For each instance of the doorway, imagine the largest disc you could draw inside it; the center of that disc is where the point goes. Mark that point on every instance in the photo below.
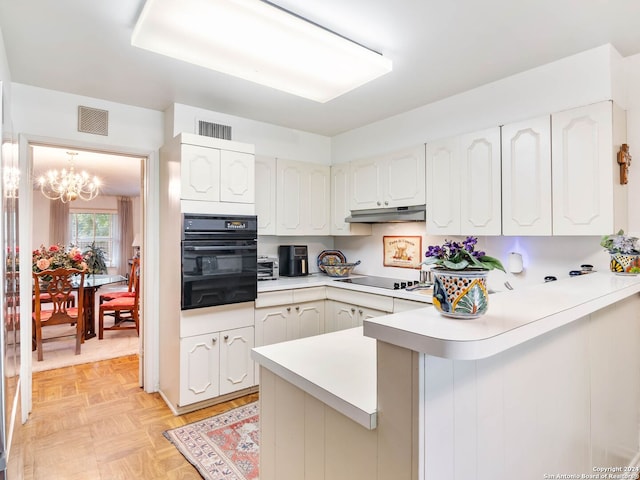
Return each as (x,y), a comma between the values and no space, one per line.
(30,148)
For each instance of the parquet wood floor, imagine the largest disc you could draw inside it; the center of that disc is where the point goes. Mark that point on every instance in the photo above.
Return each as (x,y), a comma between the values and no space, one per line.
(94,422)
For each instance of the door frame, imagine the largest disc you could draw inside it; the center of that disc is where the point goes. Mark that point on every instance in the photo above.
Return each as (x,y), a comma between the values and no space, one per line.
(149,201)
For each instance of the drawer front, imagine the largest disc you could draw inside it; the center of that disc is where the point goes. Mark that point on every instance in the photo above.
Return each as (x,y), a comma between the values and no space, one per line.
(309,294)
(368,300)
(271,299)
(201,321)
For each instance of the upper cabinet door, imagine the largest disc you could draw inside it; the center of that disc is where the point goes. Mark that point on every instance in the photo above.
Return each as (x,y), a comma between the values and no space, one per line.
(480,194)
(237,177)
(403,178)
(582,170)
(443,187)
(365,184)
(292,197)
(526,177)
(265,174)
(200,173)
(318,215)
(340,203)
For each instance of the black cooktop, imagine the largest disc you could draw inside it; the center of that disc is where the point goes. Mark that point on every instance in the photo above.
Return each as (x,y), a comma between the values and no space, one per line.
(380,282)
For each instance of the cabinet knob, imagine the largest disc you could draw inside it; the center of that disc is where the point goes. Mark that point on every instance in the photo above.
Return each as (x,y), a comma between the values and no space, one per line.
(360,312)
(288,309)
(386,202)
(298,308)
(226,337)
(353,310)
(214,340)
(378,202)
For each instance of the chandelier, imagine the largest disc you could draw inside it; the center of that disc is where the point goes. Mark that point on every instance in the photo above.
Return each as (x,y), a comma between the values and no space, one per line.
(67,185)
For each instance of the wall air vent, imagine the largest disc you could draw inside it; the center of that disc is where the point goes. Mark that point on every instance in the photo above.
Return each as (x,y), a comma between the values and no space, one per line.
(93,120)
(215,130)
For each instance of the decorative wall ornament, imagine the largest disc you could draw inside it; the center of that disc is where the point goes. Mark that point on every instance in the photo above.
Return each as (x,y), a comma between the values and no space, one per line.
(624,160)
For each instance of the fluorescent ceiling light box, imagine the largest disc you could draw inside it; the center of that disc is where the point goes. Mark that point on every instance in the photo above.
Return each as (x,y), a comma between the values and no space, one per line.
(260,42)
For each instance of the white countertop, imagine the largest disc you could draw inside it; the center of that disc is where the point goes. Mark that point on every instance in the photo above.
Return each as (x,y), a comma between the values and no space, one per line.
(337,368)
(513,317)
(320,279)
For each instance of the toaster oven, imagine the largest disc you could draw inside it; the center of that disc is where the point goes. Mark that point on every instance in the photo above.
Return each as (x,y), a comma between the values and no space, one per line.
(268,267)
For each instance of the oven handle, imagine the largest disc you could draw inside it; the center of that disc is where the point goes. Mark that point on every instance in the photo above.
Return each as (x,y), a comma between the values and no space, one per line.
(228,247)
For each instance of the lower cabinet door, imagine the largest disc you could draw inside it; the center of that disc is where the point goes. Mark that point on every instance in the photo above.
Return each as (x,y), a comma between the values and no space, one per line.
(236,366)
(199,368)
(342,316)
(309,319)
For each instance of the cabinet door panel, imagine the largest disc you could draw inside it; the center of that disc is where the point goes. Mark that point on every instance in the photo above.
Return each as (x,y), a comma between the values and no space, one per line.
(265,174)
(199,368)
(310,319)
(582,170)
(200,173)
(480,212)
(236,366)
(237,177)
(292,197)
(404,177)
(365,184)
(271,325)
(443,187)
(526,177)
(319,189)
(343,316)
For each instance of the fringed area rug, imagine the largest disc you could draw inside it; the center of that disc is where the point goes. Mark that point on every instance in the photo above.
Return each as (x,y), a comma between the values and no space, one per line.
(223,447)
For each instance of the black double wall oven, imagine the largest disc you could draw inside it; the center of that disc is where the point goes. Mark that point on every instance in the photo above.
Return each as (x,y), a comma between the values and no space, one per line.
(219,260)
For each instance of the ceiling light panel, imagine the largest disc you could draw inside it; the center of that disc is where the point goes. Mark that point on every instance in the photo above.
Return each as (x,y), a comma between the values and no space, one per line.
(254,40)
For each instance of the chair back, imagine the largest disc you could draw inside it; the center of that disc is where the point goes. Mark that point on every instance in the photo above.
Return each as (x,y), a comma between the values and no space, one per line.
(59,284)
(135,268)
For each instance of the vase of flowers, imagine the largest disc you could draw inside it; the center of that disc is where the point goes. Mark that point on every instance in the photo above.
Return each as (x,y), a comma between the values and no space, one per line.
(624,252)
(460,278)
(55,256)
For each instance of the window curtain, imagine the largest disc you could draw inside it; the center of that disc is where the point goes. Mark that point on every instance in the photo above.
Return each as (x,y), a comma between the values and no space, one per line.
(125,228)
(59,222)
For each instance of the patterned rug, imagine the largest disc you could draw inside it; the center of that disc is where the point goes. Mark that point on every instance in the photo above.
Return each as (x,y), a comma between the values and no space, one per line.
(223,447)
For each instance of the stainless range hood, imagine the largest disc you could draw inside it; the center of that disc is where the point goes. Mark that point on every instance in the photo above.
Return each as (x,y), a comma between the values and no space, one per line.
(415,213)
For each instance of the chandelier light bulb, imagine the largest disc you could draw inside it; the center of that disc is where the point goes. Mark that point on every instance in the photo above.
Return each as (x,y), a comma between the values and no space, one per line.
(67,185)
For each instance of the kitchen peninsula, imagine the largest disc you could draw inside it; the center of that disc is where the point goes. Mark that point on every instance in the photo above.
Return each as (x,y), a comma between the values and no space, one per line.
(547,383)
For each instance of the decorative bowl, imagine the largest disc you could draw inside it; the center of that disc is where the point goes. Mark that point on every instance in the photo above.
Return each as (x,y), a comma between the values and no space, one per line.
(340,269)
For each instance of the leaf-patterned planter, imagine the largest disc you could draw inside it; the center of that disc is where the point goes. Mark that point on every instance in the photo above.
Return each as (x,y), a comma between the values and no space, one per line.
(460,294)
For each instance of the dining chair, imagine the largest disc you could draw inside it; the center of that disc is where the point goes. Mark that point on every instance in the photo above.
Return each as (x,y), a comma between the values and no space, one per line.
(59,284)
(135,267)
(124,309)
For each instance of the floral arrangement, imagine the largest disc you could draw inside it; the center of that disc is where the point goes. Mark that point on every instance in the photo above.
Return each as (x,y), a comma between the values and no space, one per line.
(621,243)
(460,256)
(56,257)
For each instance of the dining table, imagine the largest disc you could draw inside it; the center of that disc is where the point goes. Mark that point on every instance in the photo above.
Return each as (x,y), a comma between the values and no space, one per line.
(93,282)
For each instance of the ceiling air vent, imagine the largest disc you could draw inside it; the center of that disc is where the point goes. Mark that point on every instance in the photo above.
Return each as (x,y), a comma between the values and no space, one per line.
(215,130)
(93,120)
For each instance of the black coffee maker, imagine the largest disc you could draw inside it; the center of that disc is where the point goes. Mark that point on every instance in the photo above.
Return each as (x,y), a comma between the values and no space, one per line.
(293,260)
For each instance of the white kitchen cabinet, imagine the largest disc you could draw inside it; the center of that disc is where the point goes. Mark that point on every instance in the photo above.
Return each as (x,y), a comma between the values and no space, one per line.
(215,364)
(280,323)
(340,203)
(237,177)
(587,196)
(526,177)
(302,198)
(345,315)
(199,368)
(200,173)
(266,194)
(463,184)
(214,170)
(236,366)
(393,180)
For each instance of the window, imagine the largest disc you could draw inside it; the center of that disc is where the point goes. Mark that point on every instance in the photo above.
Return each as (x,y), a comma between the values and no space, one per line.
(88,227)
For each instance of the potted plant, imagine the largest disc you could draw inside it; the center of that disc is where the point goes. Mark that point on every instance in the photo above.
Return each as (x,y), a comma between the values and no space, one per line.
(624,251)
(460,278)
(95,257)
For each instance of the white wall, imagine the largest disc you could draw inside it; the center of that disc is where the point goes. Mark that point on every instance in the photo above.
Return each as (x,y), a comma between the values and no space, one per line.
(577,80)
(270,140)
(632,75)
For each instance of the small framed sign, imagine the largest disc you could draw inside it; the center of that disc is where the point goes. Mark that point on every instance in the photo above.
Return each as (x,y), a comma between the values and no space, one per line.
(403,252)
